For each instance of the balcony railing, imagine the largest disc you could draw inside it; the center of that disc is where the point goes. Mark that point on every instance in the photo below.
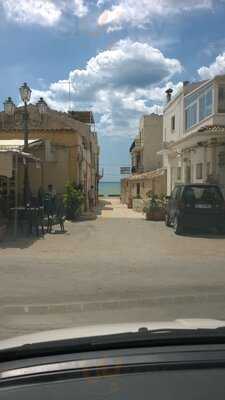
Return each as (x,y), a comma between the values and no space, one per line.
(137,170)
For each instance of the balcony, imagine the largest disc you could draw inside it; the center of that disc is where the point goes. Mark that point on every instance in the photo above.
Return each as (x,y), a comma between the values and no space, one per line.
(137,169)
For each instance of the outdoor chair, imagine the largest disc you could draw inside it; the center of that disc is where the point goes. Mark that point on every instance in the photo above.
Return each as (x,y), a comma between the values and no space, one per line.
(58,218)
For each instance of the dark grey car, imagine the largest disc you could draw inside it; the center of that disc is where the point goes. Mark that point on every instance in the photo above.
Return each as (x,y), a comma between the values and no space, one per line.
(195,206)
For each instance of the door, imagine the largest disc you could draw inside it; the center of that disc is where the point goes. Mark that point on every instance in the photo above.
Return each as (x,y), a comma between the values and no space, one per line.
(138,190)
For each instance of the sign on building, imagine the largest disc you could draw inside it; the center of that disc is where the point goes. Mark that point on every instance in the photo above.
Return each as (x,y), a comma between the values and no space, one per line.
(125,170)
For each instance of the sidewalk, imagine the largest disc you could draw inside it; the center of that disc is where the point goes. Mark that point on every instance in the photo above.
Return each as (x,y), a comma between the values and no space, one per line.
(112,208)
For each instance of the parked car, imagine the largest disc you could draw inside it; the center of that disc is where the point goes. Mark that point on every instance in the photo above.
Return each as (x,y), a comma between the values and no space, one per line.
(195,205)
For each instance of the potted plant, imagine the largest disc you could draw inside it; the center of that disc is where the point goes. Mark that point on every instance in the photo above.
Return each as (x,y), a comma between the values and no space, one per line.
(73,201)
(155,208)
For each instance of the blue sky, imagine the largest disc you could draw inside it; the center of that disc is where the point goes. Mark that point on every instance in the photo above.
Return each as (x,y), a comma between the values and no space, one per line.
(120,56)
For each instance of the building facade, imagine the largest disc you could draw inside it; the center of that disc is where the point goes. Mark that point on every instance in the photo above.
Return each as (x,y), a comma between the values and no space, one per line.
(194,134)
(147,143)
(67,147)
(146,164)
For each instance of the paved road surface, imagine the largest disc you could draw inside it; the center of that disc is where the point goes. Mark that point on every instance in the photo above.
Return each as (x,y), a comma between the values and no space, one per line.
(117,268)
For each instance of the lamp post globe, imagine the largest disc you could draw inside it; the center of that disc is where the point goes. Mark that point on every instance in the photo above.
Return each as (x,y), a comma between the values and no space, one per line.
(9,106)
(25,93)
(42,106)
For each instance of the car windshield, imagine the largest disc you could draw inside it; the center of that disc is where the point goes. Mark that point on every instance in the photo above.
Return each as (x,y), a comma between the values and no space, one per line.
(204,194)
(112,166)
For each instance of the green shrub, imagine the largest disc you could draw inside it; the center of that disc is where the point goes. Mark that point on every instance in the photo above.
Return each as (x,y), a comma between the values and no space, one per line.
(155,202)
(73,201)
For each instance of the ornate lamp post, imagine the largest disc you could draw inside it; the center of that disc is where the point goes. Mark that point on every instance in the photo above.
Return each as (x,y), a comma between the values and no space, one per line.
(9,108)
(25,94)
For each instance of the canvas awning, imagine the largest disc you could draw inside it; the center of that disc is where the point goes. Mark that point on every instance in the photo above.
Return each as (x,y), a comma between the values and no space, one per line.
(6,161)
(147,175)
(15,144)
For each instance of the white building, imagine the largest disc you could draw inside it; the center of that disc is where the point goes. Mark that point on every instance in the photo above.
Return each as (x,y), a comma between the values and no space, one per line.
(194,133)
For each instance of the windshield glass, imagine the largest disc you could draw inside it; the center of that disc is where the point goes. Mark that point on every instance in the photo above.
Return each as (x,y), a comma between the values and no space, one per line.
(112,165)
(210,194)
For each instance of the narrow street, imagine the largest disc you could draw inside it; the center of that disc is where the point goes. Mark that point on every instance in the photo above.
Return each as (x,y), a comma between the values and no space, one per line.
(116,268)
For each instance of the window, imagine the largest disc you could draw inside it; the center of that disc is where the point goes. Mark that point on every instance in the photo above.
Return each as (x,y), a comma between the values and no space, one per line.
(205,104)
(191,116)
(179,173)
(197,194)
(173,123)
(221,99)
(199,168)
(198,106)
(208,168)
(138,189)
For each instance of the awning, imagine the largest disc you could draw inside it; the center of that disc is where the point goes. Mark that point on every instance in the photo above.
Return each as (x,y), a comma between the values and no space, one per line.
(6,161)
(147,175)
(14,144)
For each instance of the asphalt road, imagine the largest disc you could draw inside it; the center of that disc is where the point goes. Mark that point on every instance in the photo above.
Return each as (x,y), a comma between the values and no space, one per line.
(117,268)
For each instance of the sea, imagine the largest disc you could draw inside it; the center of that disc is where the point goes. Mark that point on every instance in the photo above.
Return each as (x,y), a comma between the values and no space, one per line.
(107,188)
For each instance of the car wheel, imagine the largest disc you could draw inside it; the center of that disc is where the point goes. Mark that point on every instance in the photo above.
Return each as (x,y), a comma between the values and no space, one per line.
(178,226)
(167,220)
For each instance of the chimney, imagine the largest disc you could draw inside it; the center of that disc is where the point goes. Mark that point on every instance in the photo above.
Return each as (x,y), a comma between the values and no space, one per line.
(185,83)
(169,94)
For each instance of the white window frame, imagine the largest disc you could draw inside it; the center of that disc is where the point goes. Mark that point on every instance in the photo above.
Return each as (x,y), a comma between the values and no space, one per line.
(204,92)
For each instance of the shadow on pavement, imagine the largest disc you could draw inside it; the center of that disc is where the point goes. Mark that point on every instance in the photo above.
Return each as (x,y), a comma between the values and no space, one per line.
(20,242)
(204,234)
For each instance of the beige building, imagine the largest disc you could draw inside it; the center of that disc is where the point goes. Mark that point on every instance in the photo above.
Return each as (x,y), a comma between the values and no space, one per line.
(194,133)
(66,143)
(147,143)
(147,172)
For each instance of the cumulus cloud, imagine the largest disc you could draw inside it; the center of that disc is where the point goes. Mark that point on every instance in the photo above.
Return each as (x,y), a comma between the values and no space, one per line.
(80,8)
(42,12)
(120,84)
(216,68)
(45,12)
(140,12)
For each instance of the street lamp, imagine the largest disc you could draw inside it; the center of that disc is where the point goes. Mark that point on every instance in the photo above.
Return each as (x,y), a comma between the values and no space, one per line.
(25,94)
(9,106)
(42,106)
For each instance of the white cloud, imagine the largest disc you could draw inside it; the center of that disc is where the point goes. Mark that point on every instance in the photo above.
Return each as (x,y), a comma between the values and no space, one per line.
(120,84)
(140,12)
(43,12)
(216,68)
(80,8)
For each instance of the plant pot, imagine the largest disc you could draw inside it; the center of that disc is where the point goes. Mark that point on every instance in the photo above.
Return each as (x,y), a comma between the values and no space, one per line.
(155,215)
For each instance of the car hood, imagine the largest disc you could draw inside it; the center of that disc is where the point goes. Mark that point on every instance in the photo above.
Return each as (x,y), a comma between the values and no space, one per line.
(103,330)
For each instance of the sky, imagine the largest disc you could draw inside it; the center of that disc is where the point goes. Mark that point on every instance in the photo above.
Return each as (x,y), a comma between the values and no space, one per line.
(118,55)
